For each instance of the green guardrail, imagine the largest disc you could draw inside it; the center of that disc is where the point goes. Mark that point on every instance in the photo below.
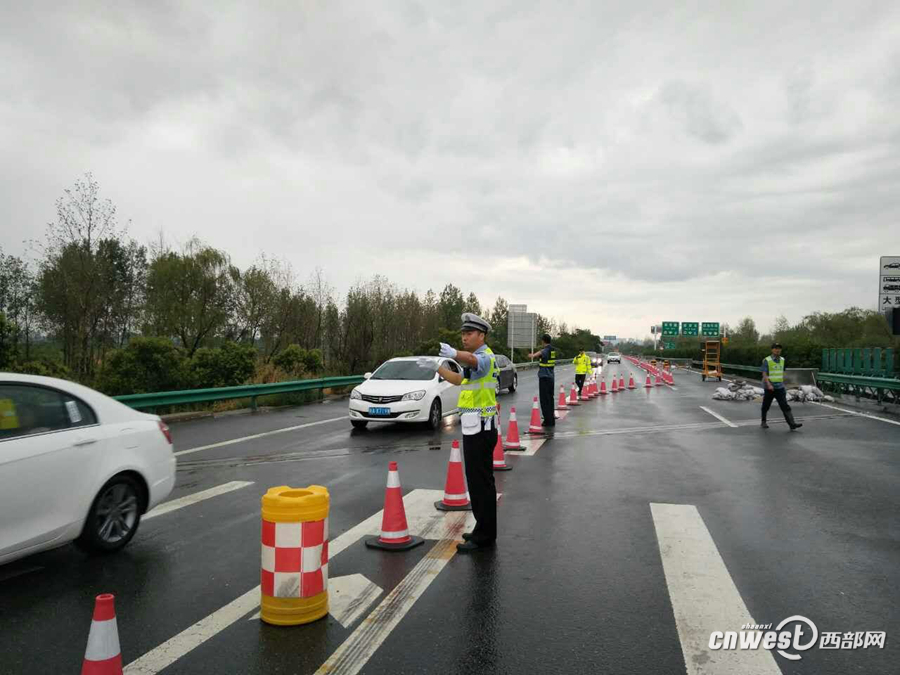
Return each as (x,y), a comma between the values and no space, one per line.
(251,391)
(866,362)
(731,366)
(880,388)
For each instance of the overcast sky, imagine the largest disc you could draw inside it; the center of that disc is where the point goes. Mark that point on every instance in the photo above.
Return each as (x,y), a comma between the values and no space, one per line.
(609,166)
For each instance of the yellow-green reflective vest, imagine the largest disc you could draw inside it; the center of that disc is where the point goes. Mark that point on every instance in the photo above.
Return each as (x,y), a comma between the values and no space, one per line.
(551,362)
(776,369)
(480,395)
(582,364)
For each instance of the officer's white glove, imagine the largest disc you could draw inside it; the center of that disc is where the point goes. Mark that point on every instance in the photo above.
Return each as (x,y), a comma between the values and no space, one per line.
(425,362)
(447,351)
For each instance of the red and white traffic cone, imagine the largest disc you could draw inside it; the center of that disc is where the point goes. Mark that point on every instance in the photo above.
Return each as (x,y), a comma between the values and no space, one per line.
(535,426)
(603,387)
(649,384)
(562,399)
(595,392)
(394,529)
(456,497)
(573,396)
(621,383)
(615,385)
(103,655)
(499,458)
(631,381)
(512,434)
(658,380)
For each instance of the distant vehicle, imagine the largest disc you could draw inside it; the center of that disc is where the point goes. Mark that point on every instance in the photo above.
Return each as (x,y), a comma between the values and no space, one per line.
(614,357)
(892,287)
(892,266)
(75,465)
(507,378)
(402,391)
(596,359)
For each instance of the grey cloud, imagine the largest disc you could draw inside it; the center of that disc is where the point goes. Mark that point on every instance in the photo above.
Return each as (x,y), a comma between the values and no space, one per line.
(694,108)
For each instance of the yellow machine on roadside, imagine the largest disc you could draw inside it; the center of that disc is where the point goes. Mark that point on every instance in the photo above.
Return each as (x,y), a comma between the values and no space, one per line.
(712,365)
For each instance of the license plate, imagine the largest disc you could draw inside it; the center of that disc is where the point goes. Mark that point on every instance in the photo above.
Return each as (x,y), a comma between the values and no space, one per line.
(379,412)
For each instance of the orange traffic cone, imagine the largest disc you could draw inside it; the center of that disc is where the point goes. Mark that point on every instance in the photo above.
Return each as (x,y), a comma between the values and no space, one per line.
(535,426)
(394,530)
(621,383)
(631,381)
(456,497)
(603,387)
(562,399)
(594,391)
(103,655)
(499,458)
(615,385)
(649,384)
(512,434)
(573,396)
(658,380)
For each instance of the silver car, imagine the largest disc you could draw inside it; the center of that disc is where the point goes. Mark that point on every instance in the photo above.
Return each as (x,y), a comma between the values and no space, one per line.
(507,377)
(614,357)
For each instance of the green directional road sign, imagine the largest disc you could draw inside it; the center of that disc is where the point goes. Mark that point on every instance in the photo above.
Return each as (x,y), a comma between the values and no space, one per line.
(690,328)
(668,345)
(710,329)
(670,328)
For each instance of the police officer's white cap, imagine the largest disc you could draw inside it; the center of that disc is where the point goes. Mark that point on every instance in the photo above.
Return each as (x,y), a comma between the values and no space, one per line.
(474,322)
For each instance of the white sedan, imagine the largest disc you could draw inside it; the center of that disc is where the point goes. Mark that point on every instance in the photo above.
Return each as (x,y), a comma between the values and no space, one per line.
(402,391)
(75,465)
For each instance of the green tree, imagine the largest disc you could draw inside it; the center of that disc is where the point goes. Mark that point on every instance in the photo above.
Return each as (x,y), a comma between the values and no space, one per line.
(230,365)
(147,364)
(451,306)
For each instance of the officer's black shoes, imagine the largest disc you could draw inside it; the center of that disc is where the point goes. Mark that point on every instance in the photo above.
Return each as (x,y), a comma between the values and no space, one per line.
(764,425)
(790,420)
(470,546)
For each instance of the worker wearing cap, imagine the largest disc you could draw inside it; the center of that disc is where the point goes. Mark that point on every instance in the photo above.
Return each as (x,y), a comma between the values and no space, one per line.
(582,368)
(773,379)
(478,411)
(546,380)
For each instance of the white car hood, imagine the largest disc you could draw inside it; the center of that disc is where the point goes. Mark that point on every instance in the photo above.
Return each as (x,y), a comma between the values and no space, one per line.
(394,387)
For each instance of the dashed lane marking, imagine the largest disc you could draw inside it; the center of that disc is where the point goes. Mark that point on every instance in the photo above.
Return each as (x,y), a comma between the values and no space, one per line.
(718,417)
(175,504)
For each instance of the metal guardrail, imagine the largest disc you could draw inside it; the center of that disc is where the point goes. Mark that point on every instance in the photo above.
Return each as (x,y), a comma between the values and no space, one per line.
(731,366)
(251,391)
(879,388)
(867,362)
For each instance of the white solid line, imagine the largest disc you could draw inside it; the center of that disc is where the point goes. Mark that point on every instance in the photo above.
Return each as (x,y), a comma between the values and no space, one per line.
(718,417)
(348,597)
(704,597)
(533,447)
(422,518)
(261,435)
(858,414)
(356,650)
(175,504)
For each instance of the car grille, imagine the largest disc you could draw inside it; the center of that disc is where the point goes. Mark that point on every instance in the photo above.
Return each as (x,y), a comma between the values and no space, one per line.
(381,399)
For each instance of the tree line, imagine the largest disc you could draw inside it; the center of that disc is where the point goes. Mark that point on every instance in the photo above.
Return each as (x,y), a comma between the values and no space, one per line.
(96,306)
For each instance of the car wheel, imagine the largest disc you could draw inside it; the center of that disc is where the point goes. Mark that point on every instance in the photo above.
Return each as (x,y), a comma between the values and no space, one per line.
(515,383)
(359,424)
(434,415)
(114,516)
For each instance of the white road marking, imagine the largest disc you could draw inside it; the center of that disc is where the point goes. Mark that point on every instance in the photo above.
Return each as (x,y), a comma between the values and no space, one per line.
(704,597)
(348,597)
(260,435)
(718,417)
(423,519)
(175,504)
(531,447)
(356,650)
(858,414)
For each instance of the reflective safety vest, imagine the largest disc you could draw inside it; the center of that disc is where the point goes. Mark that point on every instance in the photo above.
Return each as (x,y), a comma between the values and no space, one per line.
(776,369)
(551,362)
(480,395)
(8,418)
(582,364)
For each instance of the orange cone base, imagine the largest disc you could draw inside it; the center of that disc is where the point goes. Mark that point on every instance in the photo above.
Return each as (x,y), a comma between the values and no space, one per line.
(441,506)
(375,542)
(536,432)
(518,446)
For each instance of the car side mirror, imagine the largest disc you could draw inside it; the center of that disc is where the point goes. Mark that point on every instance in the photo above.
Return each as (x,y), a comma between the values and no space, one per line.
(367,376)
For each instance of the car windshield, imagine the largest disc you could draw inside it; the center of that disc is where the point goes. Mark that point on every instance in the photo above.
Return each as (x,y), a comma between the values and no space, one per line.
(404,370)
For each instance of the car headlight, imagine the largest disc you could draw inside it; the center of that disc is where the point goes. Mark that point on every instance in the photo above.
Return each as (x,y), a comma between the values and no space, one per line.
(414,396)
(355,395)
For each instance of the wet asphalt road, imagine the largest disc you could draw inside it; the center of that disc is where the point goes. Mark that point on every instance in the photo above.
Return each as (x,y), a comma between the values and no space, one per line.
(805,523)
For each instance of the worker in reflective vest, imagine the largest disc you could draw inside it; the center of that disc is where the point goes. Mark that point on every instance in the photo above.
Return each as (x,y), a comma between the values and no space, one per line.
(582,368)
(773,379)
(546,380)
(478,417)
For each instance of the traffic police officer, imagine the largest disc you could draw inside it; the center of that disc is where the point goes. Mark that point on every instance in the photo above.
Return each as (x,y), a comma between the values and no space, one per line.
(546,380)
(478,410)
(773,378)
(582,368)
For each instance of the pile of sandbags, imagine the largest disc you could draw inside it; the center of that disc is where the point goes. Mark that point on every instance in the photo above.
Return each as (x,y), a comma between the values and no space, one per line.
(807,392)
(738,391)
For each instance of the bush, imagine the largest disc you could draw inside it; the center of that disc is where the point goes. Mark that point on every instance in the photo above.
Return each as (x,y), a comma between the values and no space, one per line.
(230,365)
(290,359)
(145,365)
(42,367)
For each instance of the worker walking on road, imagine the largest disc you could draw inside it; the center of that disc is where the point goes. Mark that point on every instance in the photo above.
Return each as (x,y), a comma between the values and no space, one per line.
(773,379)
(546,380)
(478,410)
(582,368)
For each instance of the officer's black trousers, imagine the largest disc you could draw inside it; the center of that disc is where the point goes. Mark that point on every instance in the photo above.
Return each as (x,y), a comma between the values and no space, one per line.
(779,395)
(579,382)
(478,452)
(545,389)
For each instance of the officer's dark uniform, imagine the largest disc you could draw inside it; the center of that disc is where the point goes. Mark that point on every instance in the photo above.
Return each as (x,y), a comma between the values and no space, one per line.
(546,384)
